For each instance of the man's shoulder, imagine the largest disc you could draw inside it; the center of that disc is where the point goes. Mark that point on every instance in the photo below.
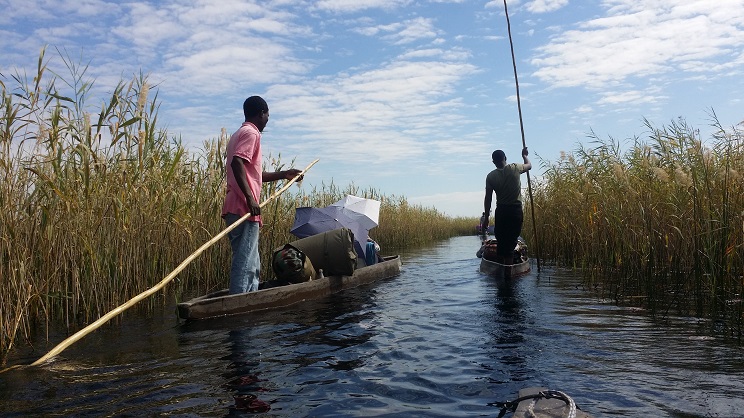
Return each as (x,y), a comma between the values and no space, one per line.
(246,133)
(516,167)
(247,127)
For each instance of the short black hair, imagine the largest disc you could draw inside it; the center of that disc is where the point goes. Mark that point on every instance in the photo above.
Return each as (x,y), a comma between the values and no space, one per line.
(253,106)
(498,155)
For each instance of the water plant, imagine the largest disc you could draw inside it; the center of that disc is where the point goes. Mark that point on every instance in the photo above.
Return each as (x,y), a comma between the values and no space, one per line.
(660,224)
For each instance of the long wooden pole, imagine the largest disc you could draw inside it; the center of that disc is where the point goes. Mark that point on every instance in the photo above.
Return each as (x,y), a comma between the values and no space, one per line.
(85,331)
(524,143)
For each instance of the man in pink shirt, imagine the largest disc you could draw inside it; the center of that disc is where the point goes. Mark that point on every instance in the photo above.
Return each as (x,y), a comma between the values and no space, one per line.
(244,178)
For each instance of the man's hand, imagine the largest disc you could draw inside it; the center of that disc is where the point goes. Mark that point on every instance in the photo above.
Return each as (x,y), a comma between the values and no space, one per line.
(254,207)
(527,163)
(292,173)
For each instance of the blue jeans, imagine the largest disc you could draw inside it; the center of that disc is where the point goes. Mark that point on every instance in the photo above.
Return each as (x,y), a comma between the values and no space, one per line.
(245,270)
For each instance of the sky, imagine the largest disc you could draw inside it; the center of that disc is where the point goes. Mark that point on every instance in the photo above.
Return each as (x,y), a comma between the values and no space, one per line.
(406,97)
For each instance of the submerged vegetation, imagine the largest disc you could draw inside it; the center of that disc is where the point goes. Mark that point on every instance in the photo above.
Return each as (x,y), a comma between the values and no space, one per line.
(97,207)
(661,225)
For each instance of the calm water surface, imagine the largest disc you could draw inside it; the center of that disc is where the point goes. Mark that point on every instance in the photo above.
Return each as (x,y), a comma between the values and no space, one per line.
(439,340)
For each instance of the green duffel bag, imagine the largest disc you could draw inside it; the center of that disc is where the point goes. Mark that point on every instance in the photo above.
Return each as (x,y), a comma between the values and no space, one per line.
(332,251)
(291,265)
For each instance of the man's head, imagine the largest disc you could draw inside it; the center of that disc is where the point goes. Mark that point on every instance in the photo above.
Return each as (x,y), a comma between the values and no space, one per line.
(499,158)
(256,111)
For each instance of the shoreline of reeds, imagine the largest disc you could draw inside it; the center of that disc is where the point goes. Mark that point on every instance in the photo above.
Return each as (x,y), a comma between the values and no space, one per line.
(660,225)
(97,207)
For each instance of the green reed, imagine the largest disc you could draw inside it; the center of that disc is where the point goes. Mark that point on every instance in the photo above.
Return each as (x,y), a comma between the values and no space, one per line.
(660,224)
(98,206)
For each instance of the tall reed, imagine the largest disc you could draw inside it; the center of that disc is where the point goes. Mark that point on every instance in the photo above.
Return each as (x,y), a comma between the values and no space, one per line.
(96,207)
(661,223)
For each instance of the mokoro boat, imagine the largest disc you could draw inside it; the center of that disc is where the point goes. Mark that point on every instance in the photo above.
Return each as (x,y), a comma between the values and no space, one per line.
(221,303)
(507,271)
(489,265)
(542,403)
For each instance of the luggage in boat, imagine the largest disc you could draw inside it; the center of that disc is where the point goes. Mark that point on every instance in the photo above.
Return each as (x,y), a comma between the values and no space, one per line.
(489,250)
(371,253)
(291,265)
(331,251)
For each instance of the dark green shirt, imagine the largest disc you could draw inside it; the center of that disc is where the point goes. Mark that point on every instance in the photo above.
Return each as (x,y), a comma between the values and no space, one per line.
(506,184)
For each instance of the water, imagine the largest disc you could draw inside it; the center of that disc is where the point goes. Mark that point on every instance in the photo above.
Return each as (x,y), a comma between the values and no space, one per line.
(440,340)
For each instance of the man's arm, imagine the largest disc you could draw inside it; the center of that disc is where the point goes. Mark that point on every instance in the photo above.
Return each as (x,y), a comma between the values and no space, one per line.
(487,205)
(281,175)
(527,164)
(241,178)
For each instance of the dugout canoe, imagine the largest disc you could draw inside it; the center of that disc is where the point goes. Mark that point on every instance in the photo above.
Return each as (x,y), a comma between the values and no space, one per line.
(536,402)
(506,271)
(488,254)
(221,303)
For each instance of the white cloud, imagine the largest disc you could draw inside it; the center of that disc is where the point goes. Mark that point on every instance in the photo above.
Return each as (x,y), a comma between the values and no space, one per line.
(642,38)
(544,6)
(403,32)
(634,96)
(382,111)
(350,6)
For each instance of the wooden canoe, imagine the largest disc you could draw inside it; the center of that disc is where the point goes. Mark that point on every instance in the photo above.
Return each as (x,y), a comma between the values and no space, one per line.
(488,254)
(542,403)
(506,271)
(221,303)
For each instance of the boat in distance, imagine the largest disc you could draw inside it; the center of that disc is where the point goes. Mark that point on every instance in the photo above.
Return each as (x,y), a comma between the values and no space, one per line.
(507,271)
(517,265)
(221,303)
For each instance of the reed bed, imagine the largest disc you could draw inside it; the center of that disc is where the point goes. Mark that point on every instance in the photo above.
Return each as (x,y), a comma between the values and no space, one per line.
(98,206)
(661,224)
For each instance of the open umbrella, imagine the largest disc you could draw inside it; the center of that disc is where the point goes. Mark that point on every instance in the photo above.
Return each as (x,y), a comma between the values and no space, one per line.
(310,221)
(370,208)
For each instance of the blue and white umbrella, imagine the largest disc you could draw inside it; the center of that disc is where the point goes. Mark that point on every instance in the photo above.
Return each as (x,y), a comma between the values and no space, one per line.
(310,221)
(369,208)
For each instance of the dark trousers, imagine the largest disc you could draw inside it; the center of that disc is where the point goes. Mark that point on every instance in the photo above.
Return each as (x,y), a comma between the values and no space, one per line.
(507,227)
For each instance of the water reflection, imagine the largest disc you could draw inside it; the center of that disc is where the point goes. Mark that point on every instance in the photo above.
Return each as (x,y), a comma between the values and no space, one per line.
(242,377)
(506,328)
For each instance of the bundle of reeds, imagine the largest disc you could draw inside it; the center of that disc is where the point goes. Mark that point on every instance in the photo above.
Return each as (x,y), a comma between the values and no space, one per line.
(92,207)
(659,223)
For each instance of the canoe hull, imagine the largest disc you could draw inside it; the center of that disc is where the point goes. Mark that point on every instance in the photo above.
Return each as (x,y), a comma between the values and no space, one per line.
(506,271)
(221,303)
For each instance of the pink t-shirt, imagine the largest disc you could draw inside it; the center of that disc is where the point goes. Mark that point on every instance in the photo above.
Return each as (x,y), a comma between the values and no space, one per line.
(246,144)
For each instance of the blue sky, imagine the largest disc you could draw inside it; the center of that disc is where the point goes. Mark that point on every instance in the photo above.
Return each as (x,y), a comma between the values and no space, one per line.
(408,97)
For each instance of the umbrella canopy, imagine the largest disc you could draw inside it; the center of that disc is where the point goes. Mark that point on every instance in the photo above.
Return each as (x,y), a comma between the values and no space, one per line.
(370,208)
(310,221)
